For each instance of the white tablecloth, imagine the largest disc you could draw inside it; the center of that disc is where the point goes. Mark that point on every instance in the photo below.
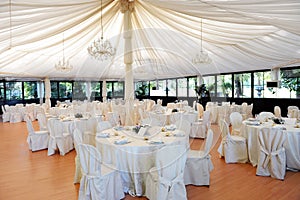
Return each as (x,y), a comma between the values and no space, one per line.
(291,145)
(135,158)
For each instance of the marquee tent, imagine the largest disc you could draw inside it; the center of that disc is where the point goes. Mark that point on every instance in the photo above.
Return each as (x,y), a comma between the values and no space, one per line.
(238,35)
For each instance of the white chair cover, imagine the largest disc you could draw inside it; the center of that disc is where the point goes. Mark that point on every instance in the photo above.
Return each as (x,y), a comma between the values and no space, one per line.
(6,114)
(15,114)
(293,111)
(264,116)
(150,121)
(161,118)
(198,165)
(113,118)
(200,110)
(165,181)
(42,120)
(58,138)
(77,134)
(277,111)
(175,116)
(233,148)
(37,140)
(98,181)
(272,158)
(236,120)
(199,129)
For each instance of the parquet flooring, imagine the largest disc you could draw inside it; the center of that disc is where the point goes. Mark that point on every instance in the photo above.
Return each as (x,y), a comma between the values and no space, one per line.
(36,176)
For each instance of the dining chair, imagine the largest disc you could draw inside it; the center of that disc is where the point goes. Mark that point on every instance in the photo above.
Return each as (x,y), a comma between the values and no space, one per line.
(6,114)
(199,128)
(199,165)
(277,111)
(42,120)
(37,140)
(165,180)
(77,134)
(98,181)
(232,147)
(59,138)
(272,158)
(200,110)
(236,120)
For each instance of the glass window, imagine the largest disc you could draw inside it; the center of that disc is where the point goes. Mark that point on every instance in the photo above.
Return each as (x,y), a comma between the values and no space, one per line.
(210,83)
(242,85)
(79,90)
(30,90)
(118,89)
(172,87)
(65,90)
(290,83)
(14,91)
(192,86)
(182,87)
(142,88)
(1,91)
(95,89)
(54,89)
(260,85)
(109,86)
(224,85)
(162,87)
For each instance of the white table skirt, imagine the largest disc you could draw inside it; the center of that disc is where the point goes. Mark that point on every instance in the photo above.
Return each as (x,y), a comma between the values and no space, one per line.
(134,159)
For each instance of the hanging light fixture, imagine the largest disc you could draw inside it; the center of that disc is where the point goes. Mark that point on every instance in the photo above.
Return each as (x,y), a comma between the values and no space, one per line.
(202,57)
(101,49)
(64,64)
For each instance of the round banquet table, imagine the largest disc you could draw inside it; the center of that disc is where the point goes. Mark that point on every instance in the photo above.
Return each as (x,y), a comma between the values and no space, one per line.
(135,158)
(250,131)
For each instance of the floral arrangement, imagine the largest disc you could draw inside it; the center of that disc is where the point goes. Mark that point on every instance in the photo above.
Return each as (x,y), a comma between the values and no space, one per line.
(78,115)
(137,128)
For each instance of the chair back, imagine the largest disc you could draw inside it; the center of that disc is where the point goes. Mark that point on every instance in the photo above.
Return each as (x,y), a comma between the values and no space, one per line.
(175,116)
(263,116)
(77,138)
(55,128)
(224,128)
(30,128)
(150,121)
(277,111)
(90,160)
(170,161)
(200,110)
(208,142)
(236,119)
(103,125)
(183,125)
(206,118)
(42,119)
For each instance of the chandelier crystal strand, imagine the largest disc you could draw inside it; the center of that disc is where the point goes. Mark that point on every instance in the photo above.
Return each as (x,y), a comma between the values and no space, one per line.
(202,57)
(101,49)
(64,65)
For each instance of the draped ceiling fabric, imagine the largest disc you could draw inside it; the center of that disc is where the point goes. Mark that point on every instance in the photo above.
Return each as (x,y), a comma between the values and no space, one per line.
(238,35)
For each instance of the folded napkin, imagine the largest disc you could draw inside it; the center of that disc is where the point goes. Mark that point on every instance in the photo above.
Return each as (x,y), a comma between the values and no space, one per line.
(254,123)
(155,142)
(280,127)
(103,135)
(179,134)
(171,127)
(119,128)
(122,141)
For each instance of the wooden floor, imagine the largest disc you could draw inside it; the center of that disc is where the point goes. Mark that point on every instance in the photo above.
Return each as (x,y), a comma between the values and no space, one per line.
(36,176)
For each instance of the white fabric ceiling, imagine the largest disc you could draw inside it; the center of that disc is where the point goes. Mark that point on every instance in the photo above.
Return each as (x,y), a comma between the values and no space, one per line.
(239,35)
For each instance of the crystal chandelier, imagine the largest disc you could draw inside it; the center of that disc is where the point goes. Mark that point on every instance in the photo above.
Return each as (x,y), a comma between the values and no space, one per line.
(101,49)
(64,64)
(202,57)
